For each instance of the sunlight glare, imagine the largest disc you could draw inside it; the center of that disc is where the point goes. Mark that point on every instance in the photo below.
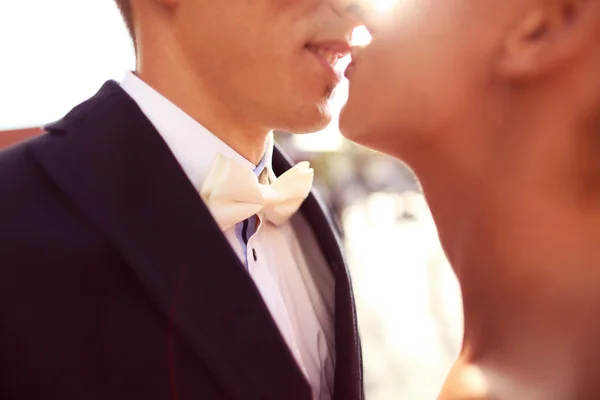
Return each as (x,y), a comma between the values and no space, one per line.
(383,5)
(360,36)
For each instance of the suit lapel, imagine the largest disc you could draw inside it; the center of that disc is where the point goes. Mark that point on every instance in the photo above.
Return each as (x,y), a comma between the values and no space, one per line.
(348,371)
(108,158)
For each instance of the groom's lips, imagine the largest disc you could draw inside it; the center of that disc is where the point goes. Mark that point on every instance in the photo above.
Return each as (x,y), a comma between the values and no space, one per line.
(327,53)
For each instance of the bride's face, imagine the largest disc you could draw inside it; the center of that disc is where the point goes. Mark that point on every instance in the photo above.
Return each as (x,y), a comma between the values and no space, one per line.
(422,72)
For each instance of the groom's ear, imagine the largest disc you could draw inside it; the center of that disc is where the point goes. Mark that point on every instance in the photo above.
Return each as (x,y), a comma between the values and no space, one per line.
(549,35)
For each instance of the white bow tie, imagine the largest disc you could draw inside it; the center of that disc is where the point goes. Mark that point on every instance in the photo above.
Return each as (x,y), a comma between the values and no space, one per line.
(234,194)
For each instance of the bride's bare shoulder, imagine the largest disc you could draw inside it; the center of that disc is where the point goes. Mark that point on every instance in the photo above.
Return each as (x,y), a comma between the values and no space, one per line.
(465,382)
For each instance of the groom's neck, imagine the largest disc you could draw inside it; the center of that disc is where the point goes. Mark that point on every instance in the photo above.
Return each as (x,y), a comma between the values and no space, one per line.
(201,100)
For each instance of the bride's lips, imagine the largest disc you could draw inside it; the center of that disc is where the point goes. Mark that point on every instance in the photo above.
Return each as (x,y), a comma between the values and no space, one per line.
(355,54)
(327,53)
(349,69)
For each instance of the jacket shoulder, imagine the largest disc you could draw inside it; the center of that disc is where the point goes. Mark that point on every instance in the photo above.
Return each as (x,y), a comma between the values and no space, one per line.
(26,192)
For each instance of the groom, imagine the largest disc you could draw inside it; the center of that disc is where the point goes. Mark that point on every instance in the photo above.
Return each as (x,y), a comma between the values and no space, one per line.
(152,244)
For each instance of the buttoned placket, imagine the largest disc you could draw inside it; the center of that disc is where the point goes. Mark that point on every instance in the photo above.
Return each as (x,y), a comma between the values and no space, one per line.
(267,283)
(251,251)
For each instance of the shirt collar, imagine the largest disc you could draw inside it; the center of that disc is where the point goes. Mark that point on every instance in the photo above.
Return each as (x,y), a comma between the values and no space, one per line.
(193,146)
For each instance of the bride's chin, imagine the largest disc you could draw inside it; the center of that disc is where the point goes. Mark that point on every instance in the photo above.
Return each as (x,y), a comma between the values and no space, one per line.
(349,123)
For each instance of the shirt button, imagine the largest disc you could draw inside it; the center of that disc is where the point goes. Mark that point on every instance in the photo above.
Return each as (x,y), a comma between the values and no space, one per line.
(254,254)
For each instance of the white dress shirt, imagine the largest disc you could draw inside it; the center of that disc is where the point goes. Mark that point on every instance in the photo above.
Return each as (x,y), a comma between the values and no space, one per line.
(292,275)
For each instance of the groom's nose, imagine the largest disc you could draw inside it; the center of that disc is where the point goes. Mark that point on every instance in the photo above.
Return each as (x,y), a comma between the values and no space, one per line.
(356,9)
(361,11)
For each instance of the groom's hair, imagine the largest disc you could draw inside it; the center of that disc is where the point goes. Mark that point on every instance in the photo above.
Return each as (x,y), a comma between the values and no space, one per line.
(125,9)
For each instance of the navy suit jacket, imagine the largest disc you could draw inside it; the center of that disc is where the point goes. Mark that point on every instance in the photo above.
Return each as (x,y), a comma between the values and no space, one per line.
(116,283)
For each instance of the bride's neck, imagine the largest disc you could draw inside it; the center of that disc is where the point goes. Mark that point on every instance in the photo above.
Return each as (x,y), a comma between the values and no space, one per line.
(522,232)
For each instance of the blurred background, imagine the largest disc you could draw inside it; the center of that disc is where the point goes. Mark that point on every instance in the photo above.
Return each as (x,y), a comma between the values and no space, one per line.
(55,54)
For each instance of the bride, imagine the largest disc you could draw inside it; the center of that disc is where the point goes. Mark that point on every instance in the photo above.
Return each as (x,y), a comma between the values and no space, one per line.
(495,105)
